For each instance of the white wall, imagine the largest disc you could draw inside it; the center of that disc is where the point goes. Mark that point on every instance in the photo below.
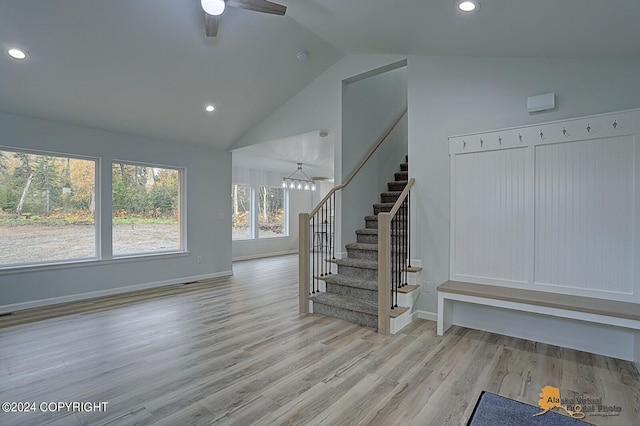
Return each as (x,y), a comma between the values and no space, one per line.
(318,106)
(450,96)
(299,201)
(208,207)
(369,106)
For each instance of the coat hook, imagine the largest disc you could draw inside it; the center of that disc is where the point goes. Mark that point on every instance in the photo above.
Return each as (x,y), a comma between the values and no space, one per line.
(464,144)
(564,131)
(541,135)
(588,127)
(499,140)
(615,124)
(520,137)
(481,143)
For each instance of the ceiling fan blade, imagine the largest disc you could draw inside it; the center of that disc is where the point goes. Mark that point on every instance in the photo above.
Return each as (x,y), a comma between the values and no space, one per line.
(263,6)
(210,25)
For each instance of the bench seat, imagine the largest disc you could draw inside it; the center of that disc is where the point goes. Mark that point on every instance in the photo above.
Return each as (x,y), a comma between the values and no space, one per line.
(599,311)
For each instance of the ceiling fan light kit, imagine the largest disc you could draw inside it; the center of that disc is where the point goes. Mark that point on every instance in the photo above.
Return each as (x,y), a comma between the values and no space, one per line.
(213,7)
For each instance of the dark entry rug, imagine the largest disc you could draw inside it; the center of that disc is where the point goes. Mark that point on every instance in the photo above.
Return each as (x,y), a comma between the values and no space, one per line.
(496,410)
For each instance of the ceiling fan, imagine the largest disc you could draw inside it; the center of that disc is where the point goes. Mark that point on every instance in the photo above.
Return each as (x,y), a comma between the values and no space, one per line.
(214,8)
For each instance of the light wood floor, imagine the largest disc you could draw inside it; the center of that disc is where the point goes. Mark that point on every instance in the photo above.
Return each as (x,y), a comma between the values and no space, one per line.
(235,351)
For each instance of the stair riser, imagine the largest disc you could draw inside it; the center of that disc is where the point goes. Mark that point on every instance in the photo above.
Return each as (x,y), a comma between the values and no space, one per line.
(404,167)
(386,198)
(362,254)
(360,293)
(396,186)
(373,238)
(401,175)
(344,314)
(381,209)
(360,273)
(371,223)
(367,238)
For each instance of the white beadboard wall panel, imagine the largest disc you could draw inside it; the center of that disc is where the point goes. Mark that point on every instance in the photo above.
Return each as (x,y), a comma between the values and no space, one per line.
(491,204)
(550,206)
(584,214)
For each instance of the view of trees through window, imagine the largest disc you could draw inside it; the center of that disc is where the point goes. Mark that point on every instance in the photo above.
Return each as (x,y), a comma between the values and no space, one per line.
(146,209)
(271,212)
(241,211)
(269,205)
(47,206)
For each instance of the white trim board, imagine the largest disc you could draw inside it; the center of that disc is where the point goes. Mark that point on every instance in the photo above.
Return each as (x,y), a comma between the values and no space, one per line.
(110,292)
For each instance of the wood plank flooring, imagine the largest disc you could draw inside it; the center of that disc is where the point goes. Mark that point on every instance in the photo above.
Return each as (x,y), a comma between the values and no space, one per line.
(235,351)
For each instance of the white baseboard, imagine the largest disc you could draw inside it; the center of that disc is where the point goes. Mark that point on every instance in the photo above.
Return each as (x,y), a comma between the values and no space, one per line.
(262,255)
(431,316)
(110,292)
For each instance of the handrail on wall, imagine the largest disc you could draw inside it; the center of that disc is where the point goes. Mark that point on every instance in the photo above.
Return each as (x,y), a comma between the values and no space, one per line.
(361,164)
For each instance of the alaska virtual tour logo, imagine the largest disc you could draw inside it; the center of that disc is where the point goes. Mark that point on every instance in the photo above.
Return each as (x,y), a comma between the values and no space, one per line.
(578,407)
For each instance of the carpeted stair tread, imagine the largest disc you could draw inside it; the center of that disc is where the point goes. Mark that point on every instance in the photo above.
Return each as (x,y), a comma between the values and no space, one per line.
(404,167)
(346,302)
(351,282)
(384,205)
(374,231)
(401,176)
(397,185)
(362,246)
(358,263)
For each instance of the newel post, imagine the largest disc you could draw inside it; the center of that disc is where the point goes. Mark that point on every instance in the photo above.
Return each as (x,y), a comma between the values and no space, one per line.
(384,272)
(303,262)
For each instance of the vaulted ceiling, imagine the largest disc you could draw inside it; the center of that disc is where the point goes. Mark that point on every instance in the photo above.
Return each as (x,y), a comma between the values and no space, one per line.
(145,67)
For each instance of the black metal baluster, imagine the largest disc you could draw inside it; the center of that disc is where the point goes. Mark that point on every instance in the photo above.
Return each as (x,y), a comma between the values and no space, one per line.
(333,246)
(397,280)
(404,245)
(313,254)
(326,237)
(409,229)
(393,259)
(321,241)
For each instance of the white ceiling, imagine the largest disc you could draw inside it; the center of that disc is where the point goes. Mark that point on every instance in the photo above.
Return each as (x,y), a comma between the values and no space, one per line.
(282,155)
(522,28)
(144,66)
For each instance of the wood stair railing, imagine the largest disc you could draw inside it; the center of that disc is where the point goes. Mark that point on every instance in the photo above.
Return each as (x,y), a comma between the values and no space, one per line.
(313,265)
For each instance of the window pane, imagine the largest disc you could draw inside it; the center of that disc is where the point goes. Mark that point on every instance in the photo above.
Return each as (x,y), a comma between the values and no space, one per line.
(241,214)
(47,206)
(271,214)
(146,209)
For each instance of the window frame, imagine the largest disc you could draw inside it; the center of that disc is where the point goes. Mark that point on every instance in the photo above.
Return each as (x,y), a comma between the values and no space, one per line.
(254,219)
(53,263)
(252,224)
(285,207)
(182,206)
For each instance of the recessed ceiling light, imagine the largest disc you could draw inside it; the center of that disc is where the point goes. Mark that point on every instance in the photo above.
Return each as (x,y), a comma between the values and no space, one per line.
(17,53)
(468,5)
(209,108)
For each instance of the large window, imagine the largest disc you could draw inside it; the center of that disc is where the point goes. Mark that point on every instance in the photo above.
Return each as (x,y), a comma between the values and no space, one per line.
(258,212)
(47,206)
(146,209)
(271,212)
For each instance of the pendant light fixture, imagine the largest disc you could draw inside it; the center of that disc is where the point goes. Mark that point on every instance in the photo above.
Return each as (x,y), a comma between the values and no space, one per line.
(299,180)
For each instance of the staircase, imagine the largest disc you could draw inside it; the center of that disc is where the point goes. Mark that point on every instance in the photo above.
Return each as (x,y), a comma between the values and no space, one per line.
(352,293)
